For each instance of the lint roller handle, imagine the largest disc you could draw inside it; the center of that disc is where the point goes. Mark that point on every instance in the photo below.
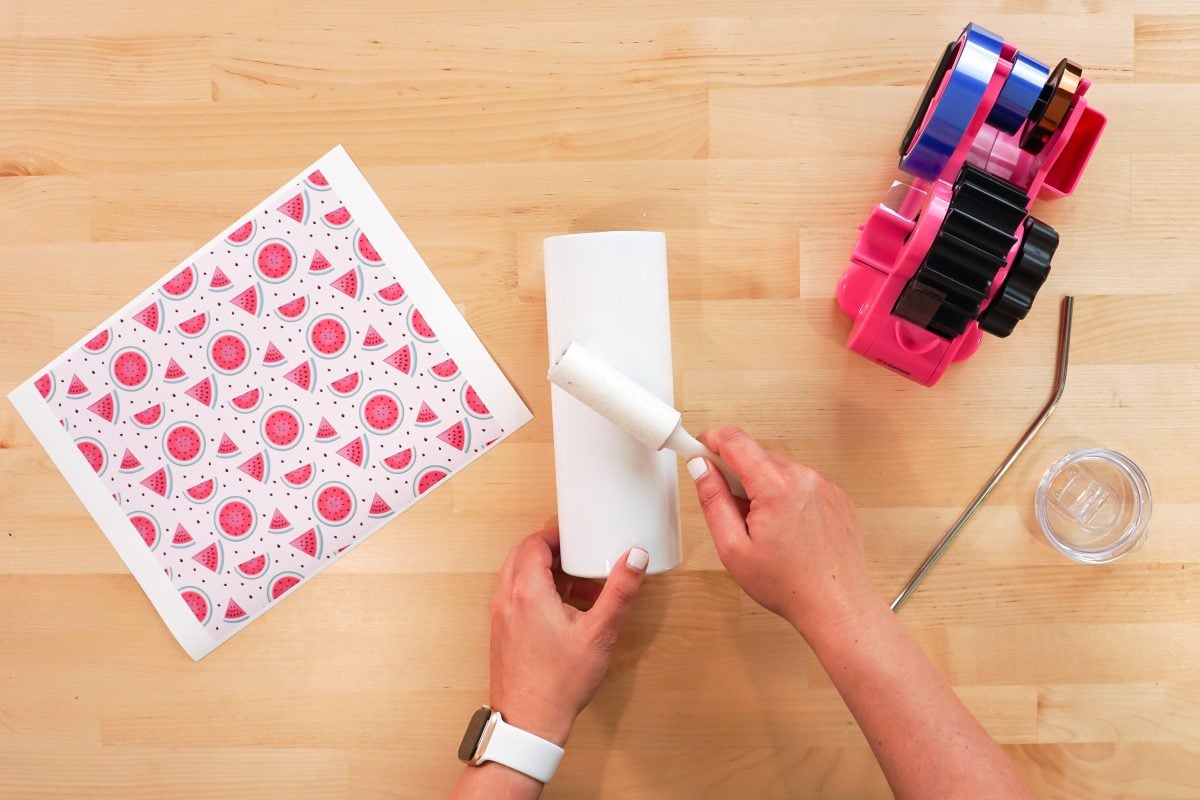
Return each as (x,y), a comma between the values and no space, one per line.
(690,447)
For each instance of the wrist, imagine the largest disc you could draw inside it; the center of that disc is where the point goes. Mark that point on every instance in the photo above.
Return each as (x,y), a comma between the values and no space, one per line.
(553,725)
(842,620)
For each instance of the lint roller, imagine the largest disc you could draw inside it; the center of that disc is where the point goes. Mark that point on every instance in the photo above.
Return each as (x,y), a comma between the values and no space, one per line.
(610,393)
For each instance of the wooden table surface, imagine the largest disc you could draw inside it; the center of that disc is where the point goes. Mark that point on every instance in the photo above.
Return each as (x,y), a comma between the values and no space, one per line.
(757,135)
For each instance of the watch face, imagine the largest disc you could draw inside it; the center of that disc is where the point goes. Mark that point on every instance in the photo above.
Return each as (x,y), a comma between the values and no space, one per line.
(470,740)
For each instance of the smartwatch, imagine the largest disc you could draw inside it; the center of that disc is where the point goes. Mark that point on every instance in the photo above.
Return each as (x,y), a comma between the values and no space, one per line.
(490,738)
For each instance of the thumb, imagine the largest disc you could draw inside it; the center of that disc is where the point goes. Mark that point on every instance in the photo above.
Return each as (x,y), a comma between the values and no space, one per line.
(616,598)
(722,510)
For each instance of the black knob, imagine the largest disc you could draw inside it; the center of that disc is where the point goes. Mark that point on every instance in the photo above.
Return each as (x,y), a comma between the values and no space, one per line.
(1029,271)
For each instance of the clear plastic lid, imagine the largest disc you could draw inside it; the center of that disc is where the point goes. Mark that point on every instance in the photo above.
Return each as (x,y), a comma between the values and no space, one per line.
(1094,505)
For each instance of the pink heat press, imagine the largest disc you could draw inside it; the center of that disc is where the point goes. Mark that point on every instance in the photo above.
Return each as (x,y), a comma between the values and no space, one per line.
(951,251)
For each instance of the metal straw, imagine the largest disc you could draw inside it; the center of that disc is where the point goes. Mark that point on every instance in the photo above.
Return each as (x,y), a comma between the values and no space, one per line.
(1060,382)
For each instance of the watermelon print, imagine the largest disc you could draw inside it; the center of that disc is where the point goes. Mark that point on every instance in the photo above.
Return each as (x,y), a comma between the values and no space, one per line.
(130,369)
(242,235)
(381,412)
(365,251)
(220,281)
(275,260)
(181,284)
(98,343)
(229,352)
(269,403)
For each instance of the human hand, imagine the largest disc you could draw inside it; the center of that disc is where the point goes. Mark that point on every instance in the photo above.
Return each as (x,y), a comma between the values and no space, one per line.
(794,547)
(548,658)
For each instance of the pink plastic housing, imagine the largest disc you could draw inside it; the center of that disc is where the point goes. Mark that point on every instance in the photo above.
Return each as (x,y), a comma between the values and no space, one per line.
(898,231)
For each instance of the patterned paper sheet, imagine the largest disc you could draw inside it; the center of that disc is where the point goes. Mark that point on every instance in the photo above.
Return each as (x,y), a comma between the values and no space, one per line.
(270,403)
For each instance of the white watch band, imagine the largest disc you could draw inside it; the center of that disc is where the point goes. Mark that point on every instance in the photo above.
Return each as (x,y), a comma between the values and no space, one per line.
(521,750)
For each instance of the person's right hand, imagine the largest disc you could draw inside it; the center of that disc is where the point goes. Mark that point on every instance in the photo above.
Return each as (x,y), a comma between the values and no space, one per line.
(794,547)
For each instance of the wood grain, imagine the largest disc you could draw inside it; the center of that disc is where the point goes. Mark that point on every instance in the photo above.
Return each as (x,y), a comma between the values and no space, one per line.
(757,138)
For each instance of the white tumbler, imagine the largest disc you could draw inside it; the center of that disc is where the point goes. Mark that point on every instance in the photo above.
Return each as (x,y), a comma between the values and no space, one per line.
(609,292)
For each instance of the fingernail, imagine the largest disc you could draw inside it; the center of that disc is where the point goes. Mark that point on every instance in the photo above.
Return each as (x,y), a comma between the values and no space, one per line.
(637,559)
(697,468)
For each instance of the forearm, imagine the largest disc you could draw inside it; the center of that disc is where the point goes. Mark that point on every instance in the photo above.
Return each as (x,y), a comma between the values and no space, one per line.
(925,740)
(495,782)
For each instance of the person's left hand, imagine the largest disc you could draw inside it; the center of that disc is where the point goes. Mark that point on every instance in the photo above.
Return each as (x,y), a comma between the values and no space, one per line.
(548,658)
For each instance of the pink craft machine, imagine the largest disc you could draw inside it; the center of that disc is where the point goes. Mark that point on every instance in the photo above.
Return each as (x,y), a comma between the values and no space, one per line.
(951,251)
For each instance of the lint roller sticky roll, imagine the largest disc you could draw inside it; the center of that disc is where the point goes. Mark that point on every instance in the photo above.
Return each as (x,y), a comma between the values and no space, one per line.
(608,392)
(609,290)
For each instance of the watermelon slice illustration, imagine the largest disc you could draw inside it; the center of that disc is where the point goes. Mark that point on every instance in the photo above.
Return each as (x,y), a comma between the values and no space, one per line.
(183,443)
(130,462)
(311,543)
(273,357)
(235,519)
(400,462)
(316,181)
(249,300)
(338,218)
(151,316)
(204,392)
(106,408)
(319,264)
(379,508)
(146,527)
(242,234)
(182,537)
(194,326)
(328,336)
(404,359)
(257,467)
(381,412)
(203,491)
(334,504)
(181,284)
(445,371)
(98,343)
(174,373)
(347,386)
(392,294)
(472,404)
(293,310)
(281,428)
(350,283)
(198,602)
(94,452)
(326,432)
(281,583)
(355,451)
(220,281)
(428,478)
(296,208)
(229,352)
(365,251)
(254,567)
(159,482)
(77,388)
(45,385)
(275,260)
(149,417)
(457,436)
(211,558)
(247,401)
(279,523)
(372,340)
(304,375)
(228,447)
(299,477)
(419,328)
(130,369)
(426,417)
(234,612)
